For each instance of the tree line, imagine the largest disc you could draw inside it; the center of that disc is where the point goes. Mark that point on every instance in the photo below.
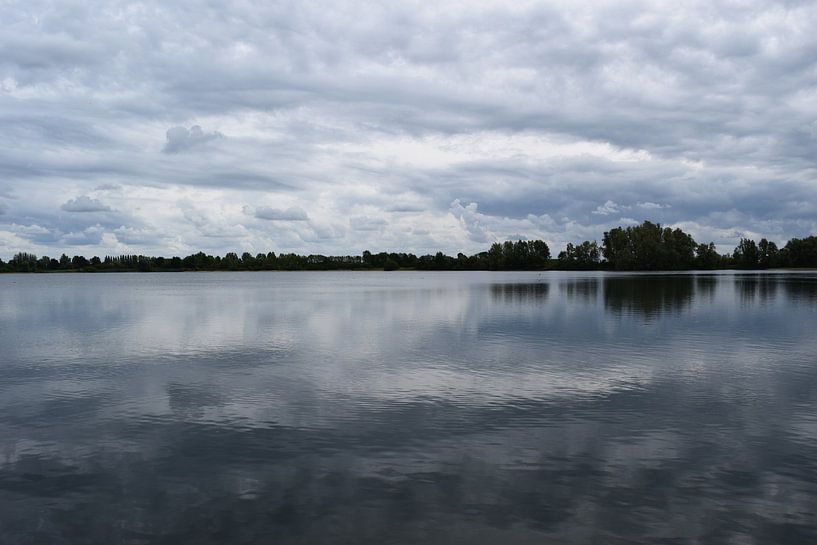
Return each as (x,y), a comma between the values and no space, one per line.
(650,247)
(647,247)
(519,255)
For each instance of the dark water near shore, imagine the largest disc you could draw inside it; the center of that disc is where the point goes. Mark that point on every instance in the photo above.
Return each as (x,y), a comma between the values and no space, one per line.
(408,408)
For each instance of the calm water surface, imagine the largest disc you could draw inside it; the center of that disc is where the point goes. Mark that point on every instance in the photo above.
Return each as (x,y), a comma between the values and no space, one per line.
(408,407)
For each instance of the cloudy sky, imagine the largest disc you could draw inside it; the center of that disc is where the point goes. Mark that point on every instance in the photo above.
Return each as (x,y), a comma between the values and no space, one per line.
(340,126)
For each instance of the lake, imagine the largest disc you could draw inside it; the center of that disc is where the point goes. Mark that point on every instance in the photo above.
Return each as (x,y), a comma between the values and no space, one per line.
(408,407)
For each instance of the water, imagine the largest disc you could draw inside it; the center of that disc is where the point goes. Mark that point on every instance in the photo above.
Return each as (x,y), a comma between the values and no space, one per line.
(221,408)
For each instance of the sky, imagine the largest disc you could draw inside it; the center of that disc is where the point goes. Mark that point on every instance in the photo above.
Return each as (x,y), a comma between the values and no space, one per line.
(165,128)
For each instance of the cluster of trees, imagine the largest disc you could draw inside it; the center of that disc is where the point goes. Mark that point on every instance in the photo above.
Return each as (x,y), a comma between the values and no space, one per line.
(520,255)
(584,256)
(646,247)
(650,247)
(25,262)
(798,252)
(642,247)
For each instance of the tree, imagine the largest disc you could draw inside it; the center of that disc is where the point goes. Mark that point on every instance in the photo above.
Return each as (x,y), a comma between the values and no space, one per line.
(706,257)
(746,255)
(23,262)
(584,256)
(648,247)
(539,254)
(617,249)
(231,261)
(143,264)
(495,257)
(767,254)
(678,250)
(801,252)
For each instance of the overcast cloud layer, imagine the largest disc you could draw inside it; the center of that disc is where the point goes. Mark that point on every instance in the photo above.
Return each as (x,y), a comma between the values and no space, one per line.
(342,126)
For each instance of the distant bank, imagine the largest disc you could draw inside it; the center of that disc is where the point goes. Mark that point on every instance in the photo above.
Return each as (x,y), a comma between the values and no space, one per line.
(645,247)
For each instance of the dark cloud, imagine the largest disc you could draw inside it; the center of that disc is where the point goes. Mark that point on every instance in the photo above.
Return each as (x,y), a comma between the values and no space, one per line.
(552,120)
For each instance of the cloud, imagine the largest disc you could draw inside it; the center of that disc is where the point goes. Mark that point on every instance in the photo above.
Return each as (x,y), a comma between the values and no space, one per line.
(652,205)
(366,223)
(607,208)
(405,207)
(3,208)
(472,221)
(91,236)
(83,203)
(293,213)
(134,236)
(182,139)
(557,117)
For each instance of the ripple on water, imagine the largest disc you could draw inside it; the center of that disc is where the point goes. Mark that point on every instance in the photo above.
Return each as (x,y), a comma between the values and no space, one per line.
(485,407)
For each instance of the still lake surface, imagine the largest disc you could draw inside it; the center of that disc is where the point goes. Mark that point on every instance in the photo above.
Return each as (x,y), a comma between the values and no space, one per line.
(408,407)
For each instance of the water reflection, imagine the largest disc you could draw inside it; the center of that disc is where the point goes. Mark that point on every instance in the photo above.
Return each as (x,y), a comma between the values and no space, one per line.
(520,292)
(754,287)
(800,289)
(705,287)
(585,289)
(648,295)
(408,408)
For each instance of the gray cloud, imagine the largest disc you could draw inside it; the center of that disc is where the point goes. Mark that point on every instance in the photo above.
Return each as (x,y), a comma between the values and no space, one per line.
(183,139)
(552,120)
(91,236)
(84,203)
(136,236)
(292,213)
(366,223)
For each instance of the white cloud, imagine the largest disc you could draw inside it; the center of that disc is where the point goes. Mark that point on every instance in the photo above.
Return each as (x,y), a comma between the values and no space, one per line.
(607,208)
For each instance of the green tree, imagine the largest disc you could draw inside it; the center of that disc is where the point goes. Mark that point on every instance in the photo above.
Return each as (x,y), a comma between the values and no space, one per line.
(746,255)
(496,260)
(800,252)
(582,256)
(617,249)
(768,254)
(706,256)
(231,261)
(648,247)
